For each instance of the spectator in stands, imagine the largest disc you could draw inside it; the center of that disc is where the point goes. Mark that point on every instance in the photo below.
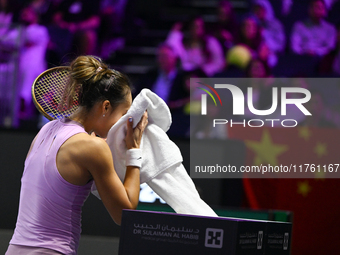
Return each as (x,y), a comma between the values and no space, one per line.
(5,16)
(182,107)
(7,66)
(46,9)
(330,64)
(184,101)
(32,55)
(111,34)
(271,28)
(31,41)
(81,19)
(195,48)
(226,28)
(171,84)
(257,68)
(165,80)
(250,35)
(314,36)
(266,55)
(113,11)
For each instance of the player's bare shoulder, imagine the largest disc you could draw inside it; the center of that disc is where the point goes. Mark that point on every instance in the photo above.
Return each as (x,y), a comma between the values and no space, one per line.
(84,149)
(86,145)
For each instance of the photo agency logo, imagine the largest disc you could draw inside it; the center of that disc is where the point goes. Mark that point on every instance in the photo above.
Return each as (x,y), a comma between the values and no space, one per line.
(204,97)
(261,116)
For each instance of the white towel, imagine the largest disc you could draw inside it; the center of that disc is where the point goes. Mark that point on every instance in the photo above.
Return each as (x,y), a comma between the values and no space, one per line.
(176,187)
(162,167)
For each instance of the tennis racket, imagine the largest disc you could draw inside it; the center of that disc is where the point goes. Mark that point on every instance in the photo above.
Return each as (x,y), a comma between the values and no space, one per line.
(48,90)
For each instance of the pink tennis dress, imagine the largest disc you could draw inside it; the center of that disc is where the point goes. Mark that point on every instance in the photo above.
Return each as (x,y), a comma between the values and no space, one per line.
(50,207)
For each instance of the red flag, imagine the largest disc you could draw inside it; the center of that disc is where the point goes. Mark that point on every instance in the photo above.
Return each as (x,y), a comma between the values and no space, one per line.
(314,201)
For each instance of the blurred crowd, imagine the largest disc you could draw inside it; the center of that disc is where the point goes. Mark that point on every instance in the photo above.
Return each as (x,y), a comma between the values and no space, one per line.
(273,38)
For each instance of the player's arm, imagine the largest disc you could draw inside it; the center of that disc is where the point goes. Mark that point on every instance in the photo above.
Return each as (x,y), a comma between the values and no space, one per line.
(115,195)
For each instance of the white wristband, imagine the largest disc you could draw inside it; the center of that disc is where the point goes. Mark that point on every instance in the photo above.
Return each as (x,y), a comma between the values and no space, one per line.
(134,157)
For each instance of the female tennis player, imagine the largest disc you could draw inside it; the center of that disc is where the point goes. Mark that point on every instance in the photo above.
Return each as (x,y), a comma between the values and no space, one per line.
(64,160)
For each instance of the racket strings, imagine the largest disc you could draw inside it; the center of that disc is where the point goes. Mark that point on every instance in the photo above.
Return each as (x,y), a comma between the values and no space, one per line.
(49,91)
